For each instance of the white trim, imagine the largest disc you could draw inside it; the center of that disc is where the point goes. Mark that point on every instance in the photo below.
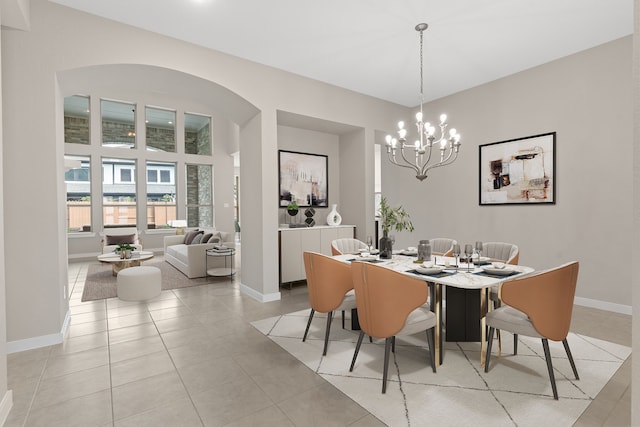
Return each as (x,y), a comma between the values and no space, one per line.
(603,305)
(258,296)
(41,341)
(5,406)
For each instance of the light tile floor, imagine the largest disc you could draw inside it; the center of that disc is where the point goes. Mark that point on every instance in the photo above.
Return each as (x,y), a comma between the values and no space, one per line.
(191,358)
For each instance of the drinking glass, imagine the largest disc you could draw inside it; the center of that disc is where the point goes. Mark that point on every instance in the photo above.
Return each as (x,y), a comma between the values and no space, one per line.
(456,252)
(468,251)
(369,242)
(392,237)
(479,250)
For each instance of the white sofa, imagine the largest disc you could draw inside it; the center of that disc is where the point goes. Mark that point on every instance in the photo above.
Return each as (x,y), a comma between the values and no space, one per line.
(191,259)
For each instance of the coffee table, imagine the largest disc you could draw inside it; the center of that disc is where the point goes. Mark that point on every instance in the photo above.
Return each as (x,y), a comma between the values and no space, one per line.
(118,263)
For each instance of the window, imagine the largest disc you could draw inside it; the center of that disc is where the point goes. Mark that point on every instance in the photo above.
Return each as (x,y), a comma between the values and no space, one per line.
(199,196)
(197,134)
(164,196)
(160,125)
(118,124)
(76,120)
(77,179)
(161,194)
(118,192)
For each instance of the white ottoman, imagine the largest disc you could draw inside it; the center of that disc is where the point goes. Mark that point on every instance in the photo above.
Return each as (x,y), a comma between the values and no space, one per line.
(139,283)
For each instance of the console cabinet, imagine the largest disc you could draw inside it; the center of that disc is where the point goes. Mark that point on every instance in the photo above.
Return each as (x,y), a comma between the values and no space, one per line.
(295,241)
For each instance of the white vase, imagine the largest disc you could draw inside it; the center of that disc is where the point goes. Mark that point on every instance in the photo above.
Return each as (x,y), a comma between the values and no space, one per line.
(334,217)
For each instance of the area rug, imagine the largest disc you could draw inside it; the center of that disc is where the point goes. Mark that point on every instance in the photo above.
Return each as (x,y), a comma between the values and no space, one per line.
(101,283)
(516,391)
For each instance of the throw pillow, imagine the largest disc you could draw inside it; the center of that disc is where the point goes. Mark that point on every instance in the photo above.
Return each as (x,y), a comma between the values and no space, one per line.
(120,240)
(215,237)
(196,239)
(188,238)
(205,238)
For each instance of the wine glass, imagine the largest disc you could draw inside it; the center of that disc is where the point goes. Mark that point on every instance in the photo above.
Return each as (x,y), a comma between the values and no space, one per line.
(456,252)
(468,251)
(478,247)
(369,242)
(392,237)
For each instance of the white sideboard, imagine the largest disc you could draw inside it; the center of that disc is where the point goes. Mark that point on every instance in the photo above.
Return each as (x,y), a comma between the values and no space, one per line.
(295,241)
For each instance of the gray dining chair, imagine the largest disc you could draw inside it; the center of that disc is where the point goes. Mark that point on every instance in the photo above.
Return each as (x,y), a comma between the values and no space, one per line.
(347,245)
(442,246)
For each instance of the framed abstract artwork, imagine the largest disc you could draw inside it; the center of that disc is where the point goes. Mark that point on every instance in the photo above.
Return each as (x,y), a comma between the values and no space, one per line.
(519,171)
(303,178)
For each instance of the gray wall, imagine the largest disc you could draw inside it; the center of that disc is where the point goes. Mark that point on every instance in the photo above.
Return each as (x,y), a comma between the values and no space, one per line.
(585,98)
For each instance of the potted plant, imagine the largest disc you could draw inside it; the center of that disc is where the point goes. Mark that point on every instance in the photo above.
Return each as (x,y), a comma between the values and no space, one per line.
(292,208)
(124,249)
(391,219)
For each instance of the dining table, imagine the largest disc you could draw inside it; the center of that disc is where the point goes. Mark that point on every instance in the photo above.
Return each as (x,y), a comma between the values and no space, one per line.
(453,273)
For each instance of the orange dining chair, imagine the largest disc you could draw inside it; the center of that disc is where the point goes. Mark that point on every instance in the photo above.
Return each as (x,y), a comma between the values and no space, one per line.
(329,284)
(347,245)
(540,306)
(390,304)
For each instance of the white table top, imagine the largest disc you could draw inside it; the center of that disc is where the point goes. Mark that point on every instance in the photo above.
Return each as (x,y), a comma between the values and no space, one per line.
(460,279)
(114,257)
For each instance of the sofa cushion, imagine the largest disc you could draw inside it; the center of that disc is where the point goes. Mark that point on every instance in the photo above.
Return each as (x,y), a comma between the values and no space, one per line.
(179,252)
(215,237)
(120,240)
(188,238)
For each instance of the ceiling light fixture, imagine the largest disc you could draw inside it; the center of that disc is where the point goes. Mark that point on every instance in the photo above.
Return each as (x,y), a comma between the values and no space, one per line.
(448,142)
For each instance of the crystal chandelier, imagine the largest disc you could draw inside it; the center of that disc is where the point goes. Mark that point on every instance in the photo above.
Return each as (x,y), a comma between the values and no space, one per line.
(448,142)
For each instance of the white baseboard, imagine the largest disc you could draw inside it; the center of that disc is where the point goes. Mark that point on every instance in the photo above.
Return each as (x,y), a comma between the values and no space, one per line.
(258,296)
(40,341)
(5,406)
(603,305)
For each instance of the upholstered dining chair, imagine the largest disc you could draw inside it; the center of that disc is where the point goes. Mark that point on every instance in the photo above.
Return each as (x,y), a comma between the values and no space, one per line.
(442,246)
(540,306)
(347,246)
(390,304)
(500,252)
(330,288)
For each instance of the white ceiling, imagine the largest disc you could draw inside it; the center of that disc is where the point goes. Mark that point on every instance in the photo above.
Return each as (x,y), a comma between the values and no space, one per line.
(371,47)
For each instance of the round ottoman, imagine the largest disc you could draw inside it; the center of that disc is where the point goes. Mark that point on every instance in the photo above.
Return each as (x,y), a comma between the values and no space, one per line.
(139,283)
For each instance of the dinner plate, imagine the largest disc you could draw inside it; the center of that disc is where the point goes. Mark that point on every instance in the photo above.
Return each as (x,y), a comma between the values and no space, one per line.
(366,258)
(429,270)
(498,271)
(408,252)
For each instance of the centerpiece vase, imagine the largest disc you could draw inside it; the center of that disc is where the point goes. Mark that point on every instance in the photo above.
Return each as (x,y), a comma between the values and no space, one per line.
(386,247)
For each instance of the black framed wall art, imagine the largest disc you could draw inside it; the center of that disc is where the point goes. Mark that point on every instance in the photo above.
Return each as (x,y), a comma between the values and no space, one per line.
(303,178)
(518,171)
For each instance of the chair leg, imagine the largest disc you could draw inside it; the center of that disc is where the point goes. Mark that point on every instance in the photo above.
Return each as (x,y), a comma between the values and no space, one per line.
(393,344)
(306,331)
(432,348)
(326,332)
(387,345)
(573,365)
(515,343)
(488,355)
(355,353)
(552,377)
(342,319)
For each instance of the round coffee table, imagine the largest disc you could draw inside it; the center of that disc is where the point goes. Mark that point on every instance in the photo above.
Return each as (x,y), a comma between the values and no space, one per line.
(118,263)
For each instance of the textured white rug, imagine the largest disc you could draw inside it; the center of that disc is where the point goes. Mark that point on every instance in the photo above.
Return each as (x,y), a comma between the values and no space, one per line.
(516,391)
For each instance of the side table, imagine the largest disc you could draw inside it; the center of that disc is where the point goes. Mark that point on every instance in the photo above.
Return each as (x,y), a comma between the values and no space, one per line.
(228,254)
